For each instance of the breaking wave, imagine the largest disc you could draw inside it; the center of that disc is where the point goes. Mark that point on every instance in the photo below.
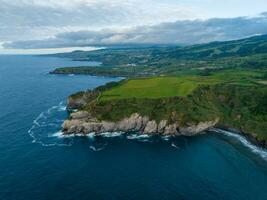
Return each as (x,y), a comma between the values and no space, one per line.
(255,149)
(175,146)
(44,129)
(98,147)
(111,134)
(138,136)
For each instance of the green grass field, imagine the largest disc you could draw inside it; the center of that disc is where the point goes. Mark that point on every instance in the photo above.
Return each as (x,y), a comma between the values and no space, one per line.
(237,98)
(158,87)
(162,87)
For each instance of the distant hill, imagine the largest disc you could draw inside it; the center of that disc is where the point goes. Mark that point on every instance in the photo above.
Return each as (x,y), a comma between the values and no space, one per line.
(248,53)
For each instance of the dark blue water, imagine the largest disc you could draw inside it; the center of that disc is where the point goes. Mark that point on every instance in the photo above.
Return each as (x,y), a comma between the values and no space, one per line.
(36,164)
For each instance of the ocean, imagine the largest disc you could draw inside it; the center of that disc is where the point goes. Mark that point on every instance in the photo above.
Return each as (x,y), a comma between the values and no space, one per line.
(37,163)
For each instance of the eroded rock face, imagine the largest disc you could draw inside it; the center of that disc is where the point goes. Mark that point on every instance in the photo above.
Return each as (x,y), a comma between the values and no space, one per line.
(79,115)
(72,126)
(82,122)
(161,126)
(198,128)
(151,127)
(171,129)
(75,103)
(80,99)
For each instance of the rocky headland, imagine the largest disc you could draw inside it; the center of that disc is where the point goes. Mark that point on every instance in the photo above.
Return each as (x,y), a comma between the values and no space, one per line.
(82,122)
(220,106)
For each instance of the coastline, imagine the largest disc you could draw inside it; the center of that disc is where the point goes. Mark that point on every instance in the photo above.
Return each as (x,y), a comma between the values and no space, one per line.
(249,136)
(78,125)
(83,122)
(106,75)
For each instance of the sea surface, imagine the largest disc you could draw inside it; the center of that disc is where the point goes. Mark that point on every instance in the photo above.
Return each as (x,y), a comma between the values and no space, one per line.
(37,163)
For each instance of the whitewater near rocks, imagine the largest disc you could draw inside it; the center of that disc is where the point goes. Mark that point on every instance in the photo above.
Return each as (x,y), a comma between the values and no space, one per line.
(81,122)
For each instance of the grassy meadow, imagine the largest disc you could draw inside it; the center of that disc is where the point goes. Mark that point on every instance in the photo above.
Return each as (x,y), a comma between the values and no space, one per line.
(177,86)
(158,87)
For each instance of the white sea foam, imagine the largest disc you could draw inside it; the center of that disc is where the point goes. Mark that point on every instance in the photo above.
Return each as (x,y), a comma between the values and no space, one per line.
(166,137)
(175,146)
(44,120)
(138,136)
(91,135)
(255,149)
(57,134)
(94,148)
(111,134)
(62,108)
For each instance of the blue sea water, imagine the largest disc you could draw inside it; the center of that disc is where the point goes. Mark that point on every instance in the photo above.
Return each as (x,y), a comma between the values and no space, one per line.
(36,163)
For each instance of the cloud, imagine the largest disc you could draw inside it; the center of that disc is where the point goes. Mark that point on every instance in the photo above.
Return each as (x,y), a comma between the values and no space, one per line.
(179,32)
(38,19)
(71,23)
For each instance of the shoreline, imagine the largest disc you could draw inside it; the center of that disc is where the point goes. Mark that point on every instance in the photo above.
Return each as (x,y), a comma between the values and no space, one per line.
(129,125)
(245,141)
(249,136)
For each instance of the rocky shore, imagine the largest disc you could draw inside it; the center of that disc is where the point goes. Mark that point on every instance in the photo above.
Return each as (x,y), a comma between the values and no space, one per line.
(81,122)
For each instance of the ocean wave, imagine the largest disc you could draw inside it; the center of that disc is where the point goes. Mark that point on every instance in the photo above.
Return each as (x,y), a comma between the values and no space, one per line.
(58,134)
(91,135)
(166,137)
(137,136)
(255,149)
(98,147)
(174,145)
(111,134)
(46,125)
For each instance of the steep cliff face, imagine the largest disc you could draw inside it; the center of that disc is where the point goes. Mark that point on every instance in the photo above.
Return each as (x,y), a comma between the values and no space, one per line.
(80,99)
(83,123)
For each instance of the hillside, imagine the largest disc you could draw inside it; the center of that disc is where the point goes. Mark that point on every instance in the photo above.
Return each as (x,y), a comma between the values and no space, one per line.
(249,53)
(185,101)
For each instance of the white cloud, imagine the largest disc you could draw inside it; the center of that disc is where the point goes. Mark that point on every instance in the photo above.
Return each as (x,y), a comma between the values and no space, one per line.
(57,22)
(27,19)
(180,32)
(45,51)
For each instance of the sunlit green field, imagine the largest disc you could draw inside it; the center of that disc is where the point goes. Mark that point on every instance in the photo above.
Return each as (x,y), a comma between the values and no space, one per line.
(158,87)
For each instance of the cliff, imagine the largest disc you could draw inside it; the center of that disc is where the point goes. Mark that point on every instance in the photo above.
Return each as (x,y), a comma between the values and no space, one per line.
(83,123)
(220,105)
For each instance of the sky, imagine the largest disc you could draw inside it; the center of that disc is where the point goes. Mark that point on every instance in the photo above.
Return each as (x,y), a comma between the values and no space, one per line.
(47,26)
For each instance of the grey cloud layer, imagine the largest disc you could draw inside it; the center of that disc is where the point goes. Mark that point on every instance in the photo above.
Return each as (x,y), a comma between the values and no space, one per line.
(180,32)
(38,19)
